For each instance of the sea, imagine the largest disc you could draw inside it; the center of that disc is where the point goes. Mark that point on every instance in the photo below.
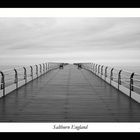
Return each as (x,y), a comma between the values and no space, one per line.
(130,68)
(8,67)
(10,75)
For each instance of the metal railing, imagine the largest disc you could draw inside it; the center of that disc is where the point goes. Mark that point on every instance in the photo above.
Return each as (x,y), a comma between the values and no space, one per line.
(20,76)
(127,79)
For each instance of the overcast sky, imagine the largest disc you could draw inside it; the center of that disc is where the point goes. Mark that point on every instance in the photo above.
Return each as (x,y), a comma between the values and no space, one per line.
(36,40)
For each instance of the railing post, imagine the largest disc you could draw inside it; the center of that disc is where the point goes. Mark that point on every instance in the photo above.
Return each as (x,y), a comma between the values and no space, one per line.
(119,78)
(36,70)
(31,72)
(43,68)
(111,75)
(40,69)
(16,78)
(105,73)
(46,67)
(2,82)
(25,74)
(131,83)
(102,70)
(98,70)
(94,67)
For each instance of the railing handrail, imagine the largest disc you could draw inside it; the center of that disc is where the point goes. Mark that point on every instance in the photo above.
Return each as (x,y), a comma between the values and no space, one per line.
(127,71)
(26,73)
(105,72)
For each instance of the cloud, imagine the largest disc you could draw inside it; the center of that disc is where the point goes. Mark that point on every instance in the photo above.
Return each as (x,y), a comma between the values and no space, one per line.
(71,38)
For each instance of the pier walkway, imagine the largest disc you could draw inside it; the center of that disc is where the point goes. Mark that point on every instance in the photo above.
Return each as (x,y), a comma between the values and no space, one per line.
(68,95)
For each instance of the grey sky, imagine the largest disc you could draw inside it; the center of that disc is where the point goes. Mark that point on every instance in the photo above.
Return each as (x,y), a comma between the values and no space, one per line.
(35,40)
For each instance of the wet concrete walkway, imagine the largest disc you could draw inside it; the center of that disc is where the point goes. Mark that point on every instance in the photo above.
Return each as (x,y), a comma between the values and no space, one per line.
(68,95)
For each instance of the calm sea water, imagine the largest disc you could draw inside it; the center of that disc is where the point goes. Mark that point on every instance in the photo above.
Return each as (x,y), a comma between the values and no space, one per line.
(135,69)
(127,68)
(6,67)
(10,74)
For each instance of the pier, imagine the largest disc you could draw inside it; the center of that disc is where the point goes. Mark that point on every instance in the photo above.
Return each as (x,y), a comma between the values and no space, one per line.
(89,93)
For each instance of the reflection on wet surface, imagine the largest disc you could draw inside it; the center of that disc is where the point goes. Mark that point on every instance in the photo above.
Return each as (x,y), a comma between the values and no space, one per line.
(68,95)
